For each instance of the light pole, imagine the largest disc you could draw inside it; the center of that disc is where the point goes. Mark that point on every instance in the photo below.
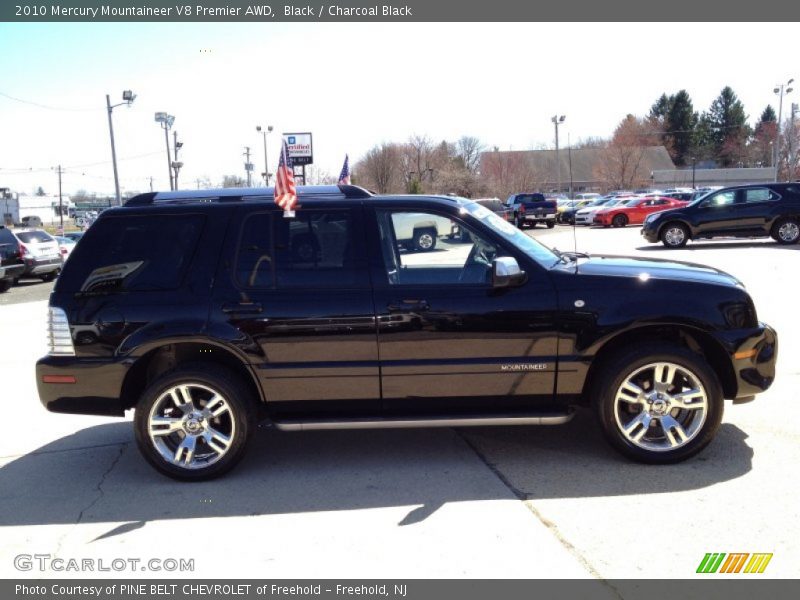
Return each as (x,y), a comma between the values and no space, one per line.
(166,121)
(264,133)
(694,165)
(779,89)
(176,164)
(127,98)
(556,122)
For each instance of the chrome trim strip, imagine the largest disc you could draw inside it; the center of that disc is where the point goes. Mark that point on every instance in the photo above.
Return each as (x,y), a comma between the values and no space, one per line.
(410,423)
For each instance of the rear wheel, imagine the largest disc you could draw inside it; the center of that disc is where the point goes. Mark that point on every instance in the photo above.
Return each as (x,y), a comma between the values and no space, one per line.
(674,235)
(193,423)
(47,277)
(519,222)
(658,403)
(425,239)
(5,285)
(619,220)
(551,224)
(786,231)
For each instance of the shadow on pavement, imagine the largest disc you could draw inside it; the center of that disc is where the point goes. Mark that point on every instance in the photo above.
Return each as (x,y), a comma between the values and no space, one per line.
(97,475)
(721,246)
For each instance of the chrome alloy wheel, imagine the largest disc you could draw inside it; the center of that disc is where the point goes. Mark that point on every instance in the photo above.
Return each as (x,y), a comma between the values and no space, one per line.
(661,406)
(425,241)
(674,236)
(789,231)
(191,426)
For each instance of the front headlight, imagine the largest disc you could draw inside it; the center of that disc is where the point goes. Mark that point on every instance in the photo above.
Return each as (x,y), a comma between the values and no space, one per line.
(650,218)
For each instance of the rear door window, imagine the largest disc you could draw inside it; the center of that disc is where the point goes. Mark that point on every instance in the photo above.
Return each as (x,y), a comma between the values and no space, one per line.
(141,253)
(760,195)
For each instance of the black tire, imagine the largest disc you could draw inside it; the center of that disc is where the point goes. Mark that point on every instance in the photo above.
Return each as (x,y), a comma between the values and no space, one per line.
(674,235)
(619,221)
(550,224)
(5,285)
(48,277)
(519,222)
(424,239)
(620,367)
(786,231)
(237,423)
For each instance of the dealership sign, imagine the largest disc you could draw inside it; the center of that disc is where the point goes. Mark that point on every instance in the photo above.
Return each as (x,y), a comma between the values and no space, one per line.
(300,148)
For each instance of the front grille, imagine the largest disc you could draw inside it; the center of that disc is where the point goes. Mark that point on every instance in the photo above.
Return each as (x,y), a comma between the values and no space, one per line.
(58,335)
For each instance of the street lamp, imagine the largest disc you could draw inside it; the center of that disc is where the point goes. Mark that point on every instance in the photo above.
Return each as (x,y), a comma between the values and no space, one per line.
(127,98)
(264,132)
(166,121)
(694,166)
(779,89)
(556,122)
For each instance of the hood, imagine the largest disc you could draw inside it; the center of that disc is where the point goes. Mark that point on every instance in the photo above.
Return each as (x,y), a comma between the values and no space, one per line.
(646,269)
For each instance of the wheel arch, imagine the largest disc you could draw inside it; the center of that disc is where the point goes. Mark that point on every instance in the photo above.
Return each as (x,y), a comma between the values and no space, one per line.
(167,355)
(694,339)
(680,221)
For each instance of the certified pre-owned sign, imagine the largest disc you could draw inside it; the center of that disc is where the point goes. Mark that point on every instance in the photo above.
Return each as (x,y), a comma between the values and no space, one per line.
(300,148)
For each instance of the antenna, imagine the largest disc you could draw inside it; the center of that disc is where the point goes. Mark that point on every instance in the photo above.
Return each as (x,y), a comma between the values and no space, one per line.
(574,208)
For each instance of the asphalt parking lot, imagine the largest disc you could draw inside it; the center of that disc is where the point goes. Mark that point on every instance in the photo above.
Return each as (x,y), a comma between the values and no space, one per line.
(495,502)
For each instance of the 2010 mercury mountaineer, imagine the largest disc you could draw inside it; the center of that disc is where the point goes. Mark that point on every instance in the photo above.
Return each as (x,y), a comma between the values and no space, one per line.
(206,311)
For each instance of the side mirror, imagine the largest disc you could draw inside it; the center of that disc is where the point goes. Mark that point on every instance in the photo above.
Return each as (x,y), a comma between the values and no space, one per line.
(506,272)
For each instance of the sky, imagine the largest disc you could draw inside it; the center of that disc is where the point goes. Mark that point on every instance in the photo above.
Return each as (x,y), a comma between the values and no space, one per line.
(352,85)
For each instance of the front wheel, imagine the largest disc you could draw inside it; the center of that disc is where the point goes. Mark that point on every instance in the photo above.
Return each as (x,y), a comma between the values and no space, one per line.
(658,403)
(193,423)
(674,235)
(619,221)
(519,222)
(786,231)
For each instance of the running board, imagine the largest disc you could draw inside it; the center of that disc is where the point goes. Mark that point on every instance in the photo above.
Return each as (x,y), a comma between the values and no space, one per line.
(413,422)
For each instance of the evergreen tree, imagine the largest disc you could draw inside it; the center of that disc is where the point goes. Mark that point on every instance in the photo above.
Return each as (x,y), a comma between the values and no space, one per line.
(729,127)
(680,122)
(768,115)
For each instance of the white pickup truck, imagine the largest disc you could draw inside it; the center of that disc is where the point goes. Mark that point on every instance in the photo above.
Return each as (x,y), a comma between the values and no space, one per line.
(420,231)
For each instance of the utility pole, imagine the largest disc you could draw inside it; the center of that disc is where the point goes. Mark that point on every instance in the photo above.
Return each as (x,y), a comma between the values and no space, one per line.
(248,166)
(61,198)
(113,151)
(176,164)
(556,122)
(791,142)
(569,151)
(781,90)
(151,183)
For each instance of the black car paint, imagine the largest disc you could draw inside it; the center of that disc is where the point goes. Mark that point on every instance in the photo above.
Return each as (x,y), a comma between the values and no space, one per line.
(380,349)
(739,219)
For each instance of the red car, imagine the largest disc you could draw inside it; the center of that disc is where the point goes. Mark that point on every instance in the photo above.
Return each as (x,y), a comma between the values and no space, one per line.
(634,211)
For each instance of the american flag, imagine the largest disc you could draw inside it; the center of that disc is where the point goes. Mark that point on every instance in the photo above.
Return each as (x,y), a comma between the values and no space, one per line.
(344,176)
(285,190)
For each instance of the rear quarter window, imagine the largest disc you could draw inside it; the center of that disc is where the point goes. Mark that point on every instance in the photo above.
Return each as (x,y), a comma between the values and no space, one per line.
(140,253)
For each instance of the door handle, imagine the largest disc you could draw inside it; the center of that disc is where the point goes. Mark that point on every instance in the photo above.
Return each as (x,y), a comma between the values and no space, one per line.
(408,306)
(242,309)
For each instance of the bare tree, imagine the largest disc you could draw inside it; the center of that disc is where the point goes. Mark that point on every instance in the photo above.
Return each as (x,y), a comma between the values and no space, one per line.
(378,168)
(621,163)
(317,176)
(233,181)
(468,149)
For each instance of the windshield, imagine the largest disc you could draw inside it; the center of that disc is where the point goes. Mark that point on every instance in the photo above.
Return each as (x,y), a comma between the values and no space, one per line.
(535,250)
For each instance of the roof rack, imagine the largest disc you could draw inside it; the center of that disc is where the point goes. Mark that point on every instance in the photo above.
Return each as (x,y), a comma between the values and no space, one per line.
(350,192)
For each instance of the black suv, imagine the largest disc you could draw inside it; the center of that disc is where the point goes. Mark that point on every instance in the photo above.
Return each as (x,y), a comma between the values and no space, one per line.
(744,211)
(11,264)
(206,311)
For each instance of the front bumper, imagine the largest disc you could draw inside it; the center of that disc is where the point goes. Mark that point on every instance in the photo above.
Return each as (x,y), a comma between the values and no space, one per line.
(753,353)
(11,271)
(649,233)
(96,389)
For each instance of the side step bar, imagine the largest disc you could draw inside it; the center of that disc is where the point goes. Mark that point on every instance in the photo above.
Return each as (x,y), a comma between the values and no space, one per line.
(413,422)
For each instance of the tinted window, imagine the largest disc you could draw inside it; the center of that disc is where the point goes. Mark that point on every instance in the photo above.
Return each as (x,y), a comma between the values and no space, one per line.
(314,249)
(759,195)
(720,199)
(133,254)
(34,237)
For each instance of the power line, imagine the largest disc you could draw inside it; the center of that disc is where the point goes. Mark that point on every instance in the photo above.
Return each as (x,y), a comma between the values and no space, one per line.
(45,106)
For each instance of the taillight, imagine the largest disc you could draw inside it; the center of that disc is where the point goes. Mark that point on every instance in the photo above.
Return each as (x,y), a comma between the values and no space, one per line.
(63,250)
(58,335)
(522,208)
(23,250)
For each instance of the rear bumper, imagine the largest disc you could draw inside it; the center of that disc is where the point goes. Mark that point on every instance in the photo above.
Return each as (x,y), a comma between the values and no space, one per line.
(11,271)
(754,353)
(540,217)
(35,266)
(96,389)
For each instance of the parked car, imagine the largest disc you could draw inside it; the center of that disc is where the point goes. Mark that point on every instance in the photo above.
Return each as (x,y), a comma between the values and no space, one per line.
(65,246)
(745,211)
(39,252)
(75,236)
(585,215)
(11,263)
(191,308)
(31,221)
(532,208)
(633,211)
(497,207)
(570,207)
(420,232)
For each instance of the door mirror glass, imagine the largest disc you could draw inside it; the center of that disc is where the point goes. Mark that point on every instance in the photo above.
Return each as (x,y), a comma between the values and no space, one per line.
(506,272)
